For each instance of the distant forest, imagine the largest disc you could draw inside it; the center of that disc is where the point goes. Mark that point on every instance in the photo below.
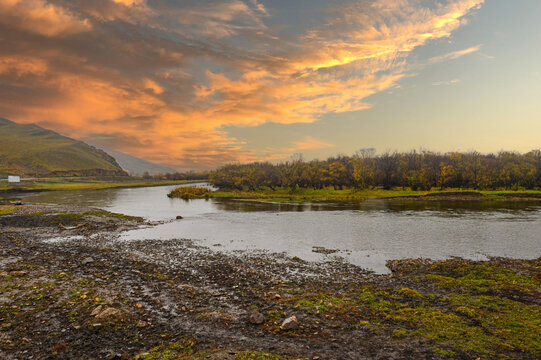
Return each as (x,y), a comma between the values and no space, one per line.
(190,175)
(423,170)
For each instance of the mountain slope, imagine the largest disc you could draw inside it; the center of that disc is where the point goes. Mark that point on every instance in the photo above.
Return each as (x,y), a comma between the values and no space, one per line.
(33,150)
(135,165)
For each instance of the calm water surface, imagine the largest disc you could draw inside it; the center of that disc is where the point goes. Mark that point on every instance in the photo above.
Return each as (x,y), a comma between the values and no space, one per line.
(364,233)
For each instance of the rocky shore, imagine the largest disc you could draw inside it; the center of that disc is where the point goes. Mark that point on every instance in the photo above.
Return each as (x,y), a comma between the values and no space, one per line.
(70,289)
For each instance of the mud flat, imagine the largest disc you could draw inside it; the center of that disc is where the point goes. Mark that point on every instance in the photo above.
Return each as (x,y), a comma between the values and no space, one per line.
(70,289)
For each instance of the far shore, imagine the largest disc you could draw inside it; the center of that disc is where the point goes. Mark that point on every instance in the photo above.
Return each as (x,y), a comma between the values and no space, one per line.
(85,183)
(300,195)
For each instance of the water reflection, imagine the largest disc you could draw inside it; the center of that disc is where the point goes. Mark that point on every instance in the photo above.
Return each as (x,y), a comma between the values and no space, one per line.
(444,208)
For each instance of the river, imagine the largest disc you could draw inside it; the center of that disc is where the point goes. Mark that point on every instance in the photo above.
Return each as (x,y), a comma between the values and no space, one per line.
(364,233)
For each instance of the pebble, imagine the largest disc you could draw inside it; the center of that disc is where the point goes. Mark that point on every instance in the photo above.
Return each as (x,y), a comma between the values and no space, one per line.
(108,313)
(291,323)
(96,311)
(88,260)
(256,318)
(18,273)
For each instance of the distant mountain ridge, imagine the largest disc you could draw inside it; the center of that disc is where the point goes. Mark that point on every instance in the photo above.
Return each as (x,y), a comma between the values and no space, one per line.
(134,165)
(31,150)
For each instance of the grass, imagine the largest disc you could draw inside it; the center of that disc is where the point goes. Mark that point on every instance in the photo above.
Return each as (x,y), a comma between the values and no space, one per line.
(7,210)
(330,194)
(483,309)
(68,217)
(186,350)
(175,350)
(249,355)
(86,183)
(77,216)
(32,149)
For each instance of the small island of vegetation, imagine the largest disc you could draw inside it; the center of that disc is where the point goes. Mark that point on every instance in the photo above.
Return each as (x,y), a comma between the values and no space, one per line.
(189,192)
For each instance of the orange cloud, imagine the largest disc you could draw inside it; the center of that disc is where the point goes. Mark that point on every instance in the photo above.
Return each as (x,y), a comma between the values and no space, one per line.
(161,81)
(41,17)
(128,2)
(21,66)
(308,143)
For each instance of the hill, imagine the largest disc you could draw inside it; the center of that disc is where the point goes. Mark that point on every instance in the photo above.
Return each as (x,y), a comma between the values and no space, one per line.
(34,151)
(134,165)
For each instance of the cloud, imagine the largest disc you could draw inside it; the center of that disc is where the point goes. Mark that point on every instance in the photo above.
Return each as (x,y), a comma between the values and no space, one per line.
(307,143)
(450,82)
(42,18)
(454,55)
(128,2)
(22,66)
(161,79)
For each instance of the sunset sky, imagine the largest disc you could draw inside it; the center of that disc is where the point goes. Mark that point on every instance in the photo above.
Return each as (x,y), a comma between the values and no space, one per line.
(194,84)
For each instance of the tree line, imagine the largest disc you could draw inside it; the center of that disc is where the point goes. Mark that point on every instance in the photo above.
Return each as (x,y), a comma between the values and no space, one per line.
(418,170)
(190,175)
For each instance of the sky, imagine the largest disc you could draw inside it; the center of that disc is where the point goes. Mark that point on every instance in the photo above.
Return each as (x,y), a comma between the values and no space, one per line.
(194,84)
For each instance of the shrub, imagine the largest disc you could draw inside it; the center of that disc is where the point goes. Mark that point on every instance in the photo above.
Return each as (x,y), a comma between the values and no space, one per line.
(190,192)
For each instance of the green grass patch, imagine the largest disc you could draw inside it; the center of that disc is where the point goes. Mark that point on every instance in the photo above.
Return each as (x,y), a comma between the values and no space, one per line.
(7,210)
(249,355)
(172,351)
(85,183)
(481,278)
(72,217)
(482,309)
(331,194)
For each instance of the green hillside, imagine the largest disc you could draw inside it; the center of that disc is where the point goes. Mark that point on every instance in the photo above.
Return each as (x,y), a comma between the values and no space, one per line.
(34,151)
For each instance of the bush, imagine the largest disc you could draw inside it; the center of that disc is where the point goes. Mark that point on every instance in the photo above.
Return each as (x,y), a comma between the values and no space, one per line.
(190,192)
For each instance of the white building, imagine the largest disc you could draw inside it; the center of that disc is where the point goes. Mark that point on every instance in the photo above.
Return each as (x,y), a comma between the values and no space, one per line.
(14,179)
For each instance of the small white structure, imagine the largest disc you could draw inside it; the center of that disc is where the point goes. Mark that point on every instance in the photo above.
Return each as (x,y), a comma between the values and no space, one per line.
(14,179)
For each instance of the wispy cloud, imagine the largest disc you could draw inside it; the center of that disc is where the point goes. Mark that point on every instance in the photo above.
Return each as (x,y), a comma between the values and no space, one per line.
(307,143)
(161,79)
(450,82)
(454,55)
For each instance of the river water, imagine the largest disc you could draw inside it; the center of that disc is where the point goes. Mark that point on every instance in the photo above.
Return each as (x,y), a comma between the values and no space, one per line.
(364,233)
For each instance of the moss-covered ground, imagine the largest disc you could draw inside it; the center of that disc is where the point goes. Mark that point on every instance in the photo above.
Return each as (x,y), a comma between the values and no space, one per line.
(486,309)
(95,298)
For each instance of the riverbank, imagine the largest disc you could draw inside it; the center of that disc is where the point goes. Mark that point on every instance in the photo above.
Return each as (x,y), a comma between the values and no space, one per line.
(70,289)
(329,194)
(84,183)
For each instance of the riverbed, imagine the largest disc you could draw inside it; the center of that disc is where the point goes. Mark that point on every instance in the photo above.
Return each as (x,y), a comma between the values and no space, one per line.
(366,233)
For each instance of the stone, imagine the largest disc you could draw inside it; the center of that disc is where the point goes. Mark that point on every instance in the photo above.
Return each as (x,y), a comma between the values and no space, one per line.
(88,260)
(18,273)
(291,323)
(256,318)
(109,313)
(96,311)
(179,217)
